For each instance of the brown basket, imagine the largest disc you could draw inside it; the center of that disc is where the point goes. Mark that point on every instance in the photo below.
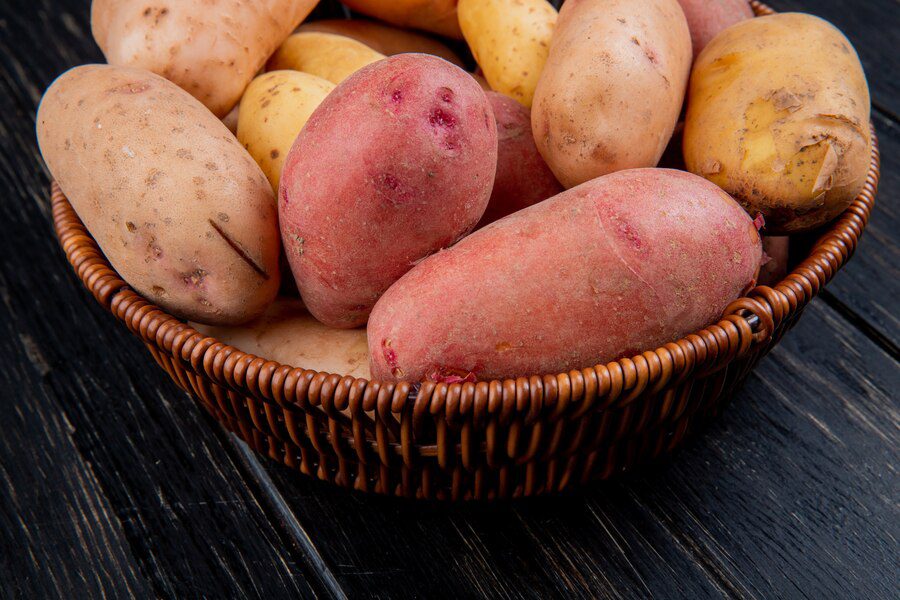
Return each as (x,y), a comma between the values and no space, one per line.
(485,440)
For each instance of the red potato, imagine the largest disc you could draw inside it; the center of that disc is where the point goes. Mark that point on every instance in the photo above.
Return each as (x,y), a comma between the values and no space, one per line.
(618,265)
(396,163)
(523,178)
(706,18)
(775,261)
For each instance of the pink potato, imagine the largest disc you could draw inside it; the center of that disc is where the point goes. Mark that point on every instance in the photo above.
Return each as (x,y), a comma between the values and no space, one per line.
(523,178)
(396,163)
(706,18)
(610,268)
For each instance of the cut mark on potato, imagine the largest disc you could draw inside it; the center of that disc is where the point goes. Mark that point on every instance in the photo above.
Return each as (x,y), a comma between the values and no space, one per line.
(239,250)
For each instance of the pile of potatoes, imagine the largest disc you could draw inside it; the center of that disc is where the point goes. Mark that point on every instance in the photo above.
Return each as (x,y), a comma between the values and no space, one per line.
(504,222)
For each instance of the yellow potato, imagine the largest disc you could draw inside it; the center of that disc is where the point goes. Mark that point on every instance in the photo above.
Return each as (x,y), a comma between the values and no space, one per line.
(274,109)
(510,39)
(437,16)
(384,38)
(212,49)
(288,334)
(179,208)
(612,87)
(326,55)
(778,116)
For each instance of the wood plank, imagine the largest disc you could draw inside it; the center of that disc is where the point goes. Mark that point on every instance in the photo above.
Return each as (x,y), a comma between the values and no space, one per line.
(57,529)
(162,482)
(792,494)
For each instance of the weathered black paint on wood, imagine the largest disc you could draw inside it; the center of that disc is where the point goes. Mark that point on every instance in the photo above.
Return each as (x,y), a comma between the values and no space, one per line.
(113,482)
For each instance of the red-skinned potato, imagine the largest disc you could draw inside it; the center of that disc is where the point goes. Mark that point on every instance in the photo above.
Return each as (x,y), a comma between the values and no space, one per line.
(706,18)
(613,267)
(212,49)
(523,178)
(179,208)
(396,163)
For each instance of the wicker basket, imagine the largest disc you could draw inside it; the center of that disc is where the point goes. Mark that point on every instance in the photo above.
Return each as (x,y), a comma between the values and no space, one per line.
(485,440)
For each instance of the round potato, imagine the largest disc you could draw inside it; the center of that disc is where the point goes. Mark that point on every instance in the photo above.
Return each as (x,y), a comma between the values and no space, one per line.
(274,109)
(510,40)
(616,266)
(612,88)
(706,18)
(436,16)
(212,50)
(384,38)
(288,334)
(523,178)
(177,205)
(326,55)
(396,163)
(778,116)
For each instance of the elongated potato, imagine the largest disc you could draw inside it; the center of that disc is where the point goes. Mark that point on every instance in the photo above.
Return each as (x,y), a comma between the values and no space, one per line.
(288,334)
(179,208)
(707,18)
(436,16)
(510,40)
(384,38)
(778,116)
(212,49)
(274,109)
(326,55)
(612,88)
(613,267)
(397,162)
(523,178)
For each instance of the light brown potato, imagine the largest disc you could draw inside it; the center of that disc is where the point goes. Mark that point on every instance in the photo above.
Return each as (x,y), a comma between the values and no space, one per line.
(612,88)
(326,55)
(436,16)
(384,38)
(288,334)
(274,109)
(211,49)
(616,266)
(176,204)
(778,116)
(510,40)
(706,18)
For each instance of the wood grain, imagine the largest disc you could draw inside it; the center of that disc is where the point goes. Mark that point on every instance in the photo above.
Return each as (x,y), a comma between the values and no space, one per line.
(113,482)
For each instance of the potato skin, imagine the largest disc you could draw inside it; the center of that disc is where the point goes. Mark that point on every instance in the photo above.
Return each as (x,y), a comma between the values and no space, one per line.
(612,88)
(523,178)
(383,38)
(706,18)
(274,109)
(397,162)
(778,116)
(436,16)
(326,55)
(510,40)
(179,208)
(288,334)
(613,267)
(212,49)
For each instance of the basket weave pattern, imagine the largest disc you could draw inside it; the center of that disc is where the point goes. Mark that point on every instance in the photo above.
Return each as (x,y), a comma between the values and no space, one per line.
(485,440)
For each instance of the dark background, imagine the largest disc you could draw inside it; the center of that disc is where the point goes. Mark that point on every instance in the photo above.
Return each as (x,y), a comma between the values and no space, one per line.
(113,481)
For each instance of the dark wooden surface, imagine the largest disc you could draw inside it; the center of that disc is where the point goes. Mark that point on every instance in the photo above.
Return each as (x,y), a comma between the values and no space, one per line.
(112,482)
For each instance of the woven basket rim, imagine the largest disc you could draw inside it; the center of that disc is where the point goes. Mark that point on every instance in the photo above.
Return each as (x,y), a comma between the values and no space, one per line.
(747,322)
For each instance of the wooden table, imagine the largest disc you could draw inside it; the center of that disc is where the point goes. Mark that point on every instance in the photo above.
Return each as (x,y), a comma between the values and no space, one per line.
(112,481)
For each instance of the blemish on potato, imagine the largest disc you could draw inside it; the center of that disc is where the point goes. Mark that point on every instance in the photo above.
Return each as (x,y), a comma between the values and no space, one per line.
(194,278)
(130,226)
(211,166)
(158,290)
(153,178)
(184,154)
(274,153)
